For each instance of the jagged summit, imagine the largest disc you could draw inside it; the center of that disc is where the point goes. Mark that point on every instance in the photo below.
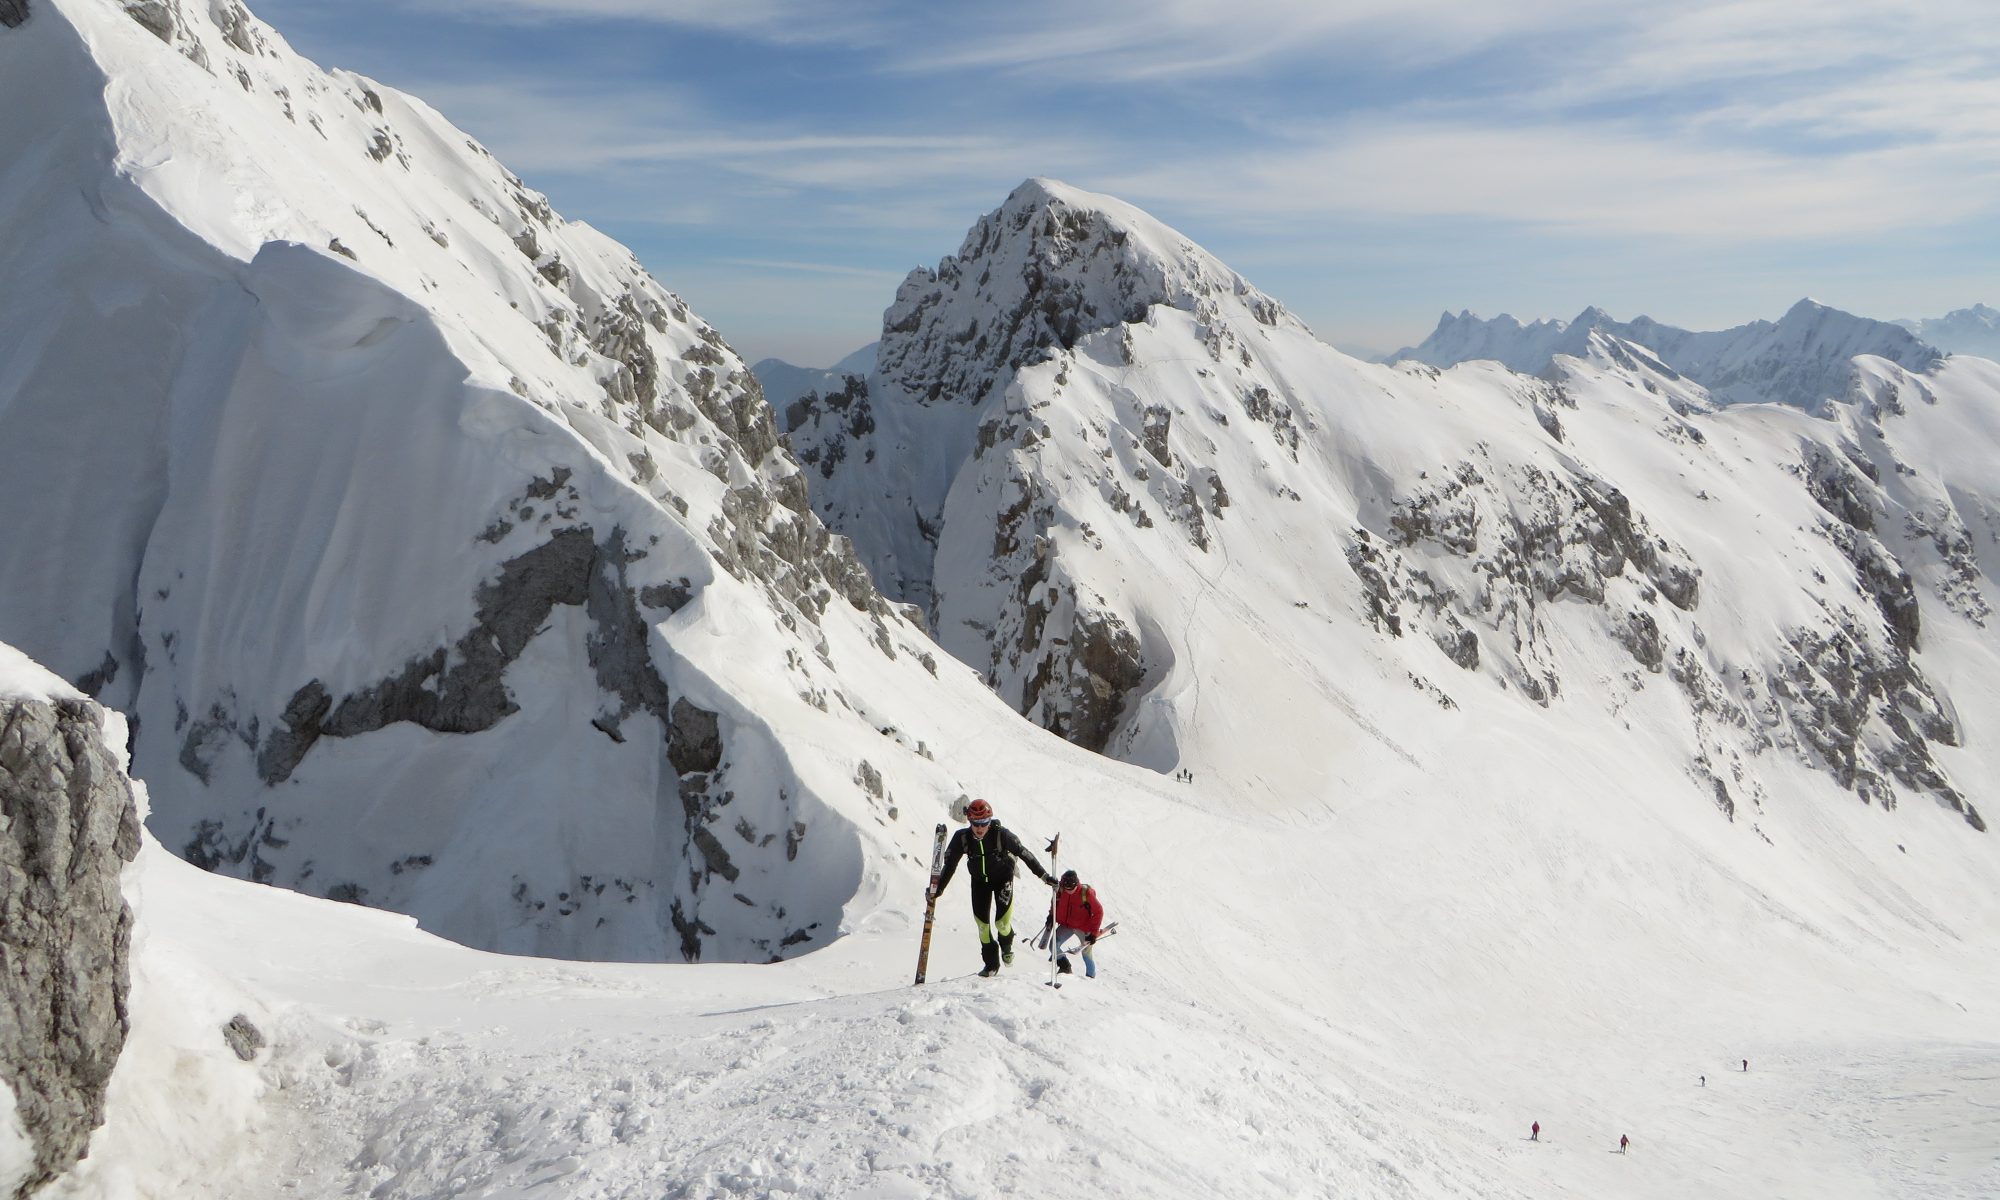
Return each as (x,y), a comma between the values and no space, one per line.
(1051,265)
(1035,279)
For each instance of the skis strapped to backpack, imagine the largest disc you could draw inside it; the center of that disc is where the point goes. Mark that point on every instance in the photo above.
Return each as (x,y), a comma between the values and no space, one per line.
(930,902)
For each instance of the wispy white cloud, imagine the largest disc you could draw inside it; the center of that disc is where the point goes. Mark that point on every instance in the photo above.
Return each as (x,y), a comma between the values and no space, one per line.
(1601,180)
(813,268)
(776,21)
(1140,41)
(887,179)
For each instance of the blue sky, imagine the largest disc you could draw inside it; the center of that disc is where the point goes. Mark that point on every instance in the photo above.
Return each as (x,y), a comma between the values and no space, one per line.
(783,163)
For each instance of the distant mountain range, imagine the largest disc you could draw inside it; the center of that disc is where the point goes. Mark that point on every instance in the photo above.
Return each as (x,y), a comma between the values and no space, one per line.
(1974,330)
(783,382)
(1801,359)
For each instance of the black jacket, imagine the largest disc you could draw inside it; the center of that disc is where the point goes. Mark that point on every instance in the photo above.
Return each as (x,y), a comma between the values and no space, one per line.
(989,860)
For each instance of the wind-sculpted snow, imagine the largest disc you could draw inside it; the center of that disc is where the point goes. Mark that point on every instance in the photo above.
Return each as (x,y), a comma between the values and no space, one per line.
(1802,359)
(447,562)
(1161,508)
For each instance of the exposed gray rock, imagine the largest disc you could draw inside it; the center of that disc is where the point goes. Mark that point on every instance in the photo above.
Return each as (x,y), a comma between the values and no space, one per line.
(93,682)
(460,690)
(67,827)
(1078,690)
(243,1037)
(696,742)
(820,427)
(1159,424)
(1640,634)
(619,640)
(13,13)
(671,596)
(237,29)
(156,16)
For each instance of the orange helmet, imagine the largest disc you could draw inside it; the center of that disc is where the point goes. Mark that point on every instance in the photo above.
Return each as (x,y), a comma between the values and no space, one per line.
(979,811)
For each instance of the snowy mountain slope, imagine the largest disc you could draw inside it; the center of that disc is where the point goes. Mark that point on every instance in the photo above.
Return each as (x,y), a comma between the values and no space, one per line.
(1162,510)
(1374,1002)
(1974,330)
(426,538)
(1801,359)
(1396,912)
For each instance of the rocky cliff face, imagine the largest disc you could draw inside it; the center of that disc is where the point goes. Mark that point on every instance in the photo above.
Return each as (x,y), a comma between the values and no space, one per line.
(68,825)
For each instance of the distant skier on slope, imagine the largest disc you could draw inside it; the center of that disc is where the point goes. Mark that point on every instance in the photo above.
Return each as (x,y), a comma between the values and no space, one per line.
(1535,1132)
(1079,917)
(989,851)
(1623,1142)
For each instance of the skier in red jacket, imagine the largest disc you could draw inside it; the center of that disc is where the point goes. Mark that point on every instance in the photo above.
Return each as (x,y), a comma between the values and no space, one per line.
(1079,917)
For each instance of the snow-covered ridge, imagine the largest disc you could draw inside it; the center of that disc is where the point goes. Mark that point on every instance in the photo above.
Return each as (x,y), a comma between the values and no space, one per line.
(446,561)
(1801,359)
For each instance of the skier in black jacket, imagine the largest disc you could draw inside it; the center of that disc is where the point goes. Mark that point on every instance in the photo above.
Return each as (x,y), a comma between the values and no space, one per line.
(989,851)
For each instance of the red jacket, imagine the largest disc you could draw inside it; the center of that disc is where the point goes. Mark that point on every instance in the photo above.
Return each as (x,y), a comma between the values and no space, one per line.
(1080,910)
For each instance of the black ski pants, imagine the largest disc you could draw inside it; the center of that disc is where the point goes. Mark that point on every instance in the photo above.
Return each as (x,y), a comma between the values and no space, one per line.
(995,934)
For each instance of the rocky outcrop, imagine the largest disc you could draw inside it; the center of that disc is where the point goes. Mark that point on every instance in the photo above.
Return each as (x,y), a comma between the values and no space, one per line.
(68,825)
(243,1038)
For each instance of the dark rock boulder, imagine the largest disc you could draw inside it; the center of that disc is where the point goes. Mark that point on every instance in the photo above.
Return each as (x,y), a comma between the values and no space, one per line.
(68,825)
(244,1038)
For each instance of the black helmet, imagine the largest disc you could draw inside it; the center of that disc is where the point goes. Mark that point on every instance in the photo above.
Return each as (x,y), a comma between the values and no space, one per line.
(1068,880)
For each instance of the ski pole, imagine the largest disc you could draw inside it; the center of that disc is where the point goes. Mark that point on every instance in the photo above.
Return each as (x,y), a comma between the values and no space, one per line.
(1054,847)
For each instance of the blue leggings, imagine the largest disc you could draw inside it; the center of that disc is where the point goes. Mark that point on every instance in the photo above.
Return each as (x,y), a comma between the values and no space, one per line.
(1063,935)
